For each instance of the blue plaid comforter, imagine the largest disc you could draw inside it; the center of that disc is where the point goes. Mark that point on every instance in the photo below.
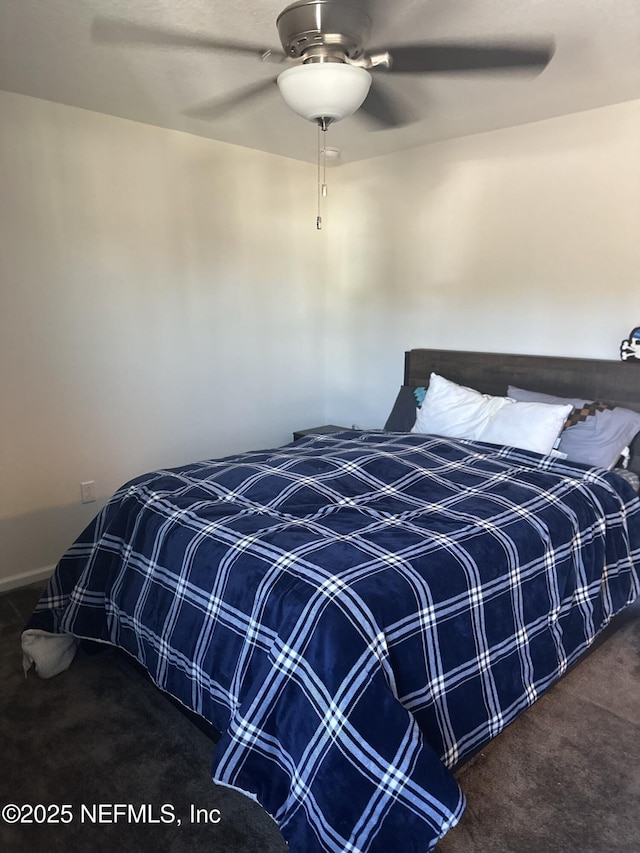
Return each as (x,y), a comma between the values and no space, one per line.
(356,613)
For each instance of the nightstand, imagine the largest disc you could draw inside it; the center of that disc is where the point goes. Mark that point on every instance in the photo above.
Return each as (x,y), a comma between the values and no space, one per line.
(319,430)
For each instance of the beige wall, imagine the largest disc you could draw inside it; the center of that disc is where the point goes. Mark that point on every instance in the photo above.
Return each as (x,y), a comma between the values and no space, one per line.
(161,300)
(521,240)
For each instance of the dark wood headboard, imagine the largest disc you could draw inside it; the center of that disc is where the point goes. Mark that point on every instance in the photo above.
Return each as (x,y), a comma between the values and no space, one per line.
(614,382)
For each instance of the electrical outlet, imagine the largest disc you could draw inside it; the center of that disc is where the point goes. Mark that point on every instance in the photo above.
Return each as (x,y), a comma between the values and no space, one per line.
(88,491)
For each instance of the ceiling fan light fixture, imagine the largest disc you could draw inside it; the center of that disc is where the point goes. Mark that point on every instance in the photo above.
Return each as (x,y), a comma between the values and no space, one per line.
(324,90)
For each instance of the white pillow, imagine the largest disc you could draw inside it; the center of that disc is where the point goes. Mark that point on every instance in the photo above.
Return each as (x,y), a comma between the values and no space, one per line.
(529,426)
(458,412)
(455,411)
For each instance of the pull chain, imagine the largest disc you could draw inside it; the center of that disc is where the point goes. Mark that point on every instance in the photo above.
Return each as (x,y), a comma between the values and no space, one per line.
(322,175)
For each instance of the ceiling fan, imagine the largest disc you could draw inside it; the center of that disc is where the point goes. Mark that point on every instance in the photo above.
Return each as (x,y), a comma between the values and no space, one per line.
(331,68)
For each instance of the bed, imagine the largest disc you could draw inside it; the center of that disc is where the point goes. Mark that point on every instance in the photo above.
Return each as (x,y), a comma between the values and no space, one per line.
(359,612)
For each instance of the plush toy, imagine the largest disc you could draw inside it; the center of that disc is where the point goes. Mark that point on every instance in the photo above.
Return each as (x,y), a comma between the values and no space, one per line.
(630,348)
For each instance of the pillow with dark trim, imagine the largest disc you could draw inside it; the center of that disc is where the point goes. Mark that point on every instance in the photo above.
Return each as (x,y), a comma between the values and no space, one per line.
(595,433)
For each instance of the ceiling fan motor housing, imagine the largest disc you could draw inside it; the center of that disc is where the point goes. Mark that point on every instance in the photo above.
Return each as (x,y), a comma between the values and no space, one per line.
(323,30)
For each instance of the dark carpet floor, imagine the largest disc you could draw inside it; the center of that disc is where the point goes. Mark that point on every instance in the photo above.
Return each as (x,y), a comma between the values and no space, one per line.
(564,778)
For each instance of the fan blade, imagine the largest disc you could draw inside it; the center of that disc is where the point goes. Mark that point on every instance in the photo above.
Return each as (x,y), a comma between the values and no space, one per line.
(447,58)
(384,108)
(121,31)
(216,107)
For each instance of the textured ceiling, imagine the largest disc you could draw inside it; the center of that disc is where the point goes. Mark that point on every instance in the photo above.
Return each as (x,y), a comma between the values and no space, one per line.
(46,51)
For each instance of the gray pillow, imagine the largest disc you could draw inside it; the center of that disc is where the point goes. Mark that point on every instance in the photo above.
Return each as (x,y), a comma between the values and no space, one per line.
(403,414)
(597,440)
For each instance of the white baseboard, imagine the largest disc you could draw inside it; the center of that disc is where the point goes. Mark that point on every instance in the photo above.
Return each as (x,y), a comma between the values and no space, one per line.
(26,578)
